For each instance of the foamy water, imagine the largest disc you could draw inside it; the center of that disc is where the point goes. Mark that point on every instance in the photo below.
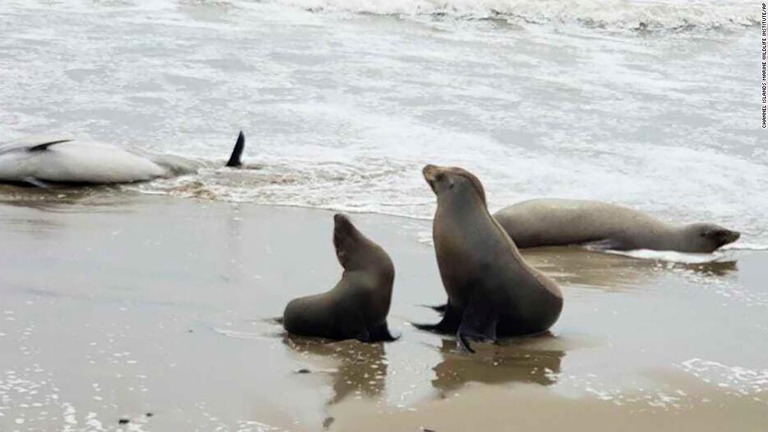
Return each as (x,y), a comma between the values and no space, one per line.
(649,104)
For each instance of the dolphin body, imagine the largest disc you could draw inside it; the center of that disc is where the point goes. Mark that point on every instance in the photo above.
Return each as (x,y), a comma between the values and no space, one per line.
(45,161)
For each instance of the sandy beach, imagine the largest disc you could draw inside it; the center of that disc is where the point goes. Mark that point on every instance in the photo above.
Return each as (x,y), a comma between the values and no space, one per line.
(121,311)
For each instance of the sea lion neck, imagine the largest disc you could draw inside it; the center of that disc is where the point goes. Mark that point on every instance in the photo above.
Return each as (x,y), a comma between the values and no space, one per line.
(462,201)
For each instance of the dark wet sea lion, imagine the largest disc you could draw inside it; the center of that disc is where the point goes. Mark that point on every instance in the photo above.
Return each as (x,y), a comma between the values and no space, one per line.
(491,291)
(561,222)
(357,307)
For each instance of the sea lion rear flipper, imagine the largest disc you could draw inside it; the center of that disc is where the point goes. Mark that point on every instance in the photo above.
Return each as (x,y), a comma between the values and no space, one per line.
(449,324)
(381,333)
(478,323)
(237,152)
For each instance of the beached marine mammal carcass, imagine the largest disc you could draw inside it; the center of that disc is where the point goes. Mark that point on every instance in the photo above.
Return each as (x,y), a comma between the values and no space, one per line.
(45,161)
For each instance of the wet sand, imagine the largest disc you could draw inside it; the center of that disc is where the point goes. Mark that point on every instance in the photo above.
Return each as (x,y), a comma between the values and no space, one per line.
(156,311)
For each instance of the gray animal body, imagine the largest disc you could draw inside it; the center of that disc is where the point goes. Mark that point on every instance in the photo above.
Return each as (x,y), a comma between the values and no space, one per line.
(561,222)
(60,160)
(492,291)
(357,307)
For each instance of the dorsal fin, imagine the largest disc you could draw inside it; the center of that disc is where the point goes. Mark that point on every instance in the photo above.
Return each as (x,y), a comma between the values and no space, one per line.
(237,152)
(44,146)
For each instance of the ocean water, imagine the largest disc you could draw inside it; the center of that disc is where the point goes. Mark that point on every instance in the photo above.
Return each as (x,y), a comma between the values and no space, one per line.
(650,104)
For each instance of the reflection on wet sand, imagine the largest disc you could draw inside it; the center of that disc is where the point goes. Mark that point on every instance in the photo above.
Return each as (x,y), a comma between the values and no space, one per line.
(590,269)
(496,364)
(361,368)
(715,268)
(91,198)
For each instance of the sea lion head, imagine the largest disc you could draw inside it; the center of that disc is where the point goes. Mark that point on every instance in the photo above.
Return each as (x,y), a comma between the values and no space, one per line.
(354,250)
(707,237)
(453,181)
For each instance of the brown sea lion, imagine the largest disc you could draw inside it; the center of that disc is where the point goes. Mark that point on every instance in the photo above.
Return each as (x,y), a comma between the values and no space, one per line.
(491,291)
(560,222)
(357,307)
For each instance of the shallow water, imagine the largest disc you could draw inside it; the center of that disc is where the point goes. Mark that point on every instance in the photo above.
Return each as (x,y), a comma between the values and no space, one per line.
(651,104)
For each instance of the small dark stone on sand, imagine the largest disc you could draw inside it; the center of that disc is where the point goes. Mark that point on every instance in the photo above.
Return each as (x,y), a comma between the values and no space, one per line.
(123,421)
(427,430)
(190,331)
(303,371)
(150,414)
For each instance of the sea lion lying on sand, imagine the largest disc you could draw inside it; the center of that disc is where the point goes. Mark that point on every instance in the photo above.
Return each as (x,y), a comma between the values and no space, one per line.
(560,222)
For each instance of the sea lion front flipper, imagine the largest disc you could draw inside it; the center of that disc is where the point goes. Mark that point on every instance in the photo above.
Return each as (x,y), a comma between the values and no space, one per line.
(381,333)
(448,325)
(478,323)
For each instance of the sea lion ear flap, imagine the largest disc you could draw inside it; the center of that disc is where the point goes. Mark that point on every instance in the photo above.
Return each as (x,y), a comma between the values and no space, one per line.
(451,182)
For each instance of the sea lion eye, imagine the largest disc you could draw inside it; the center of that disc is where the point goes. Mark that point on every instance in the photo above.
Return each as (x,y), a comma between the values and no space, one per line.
(440,177)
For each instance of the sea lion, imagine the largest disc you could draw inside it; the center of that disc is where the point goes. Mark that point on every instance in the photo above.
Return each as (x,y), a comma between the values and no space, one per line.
(560,222)
(491,291)
(45,161)
(357,307)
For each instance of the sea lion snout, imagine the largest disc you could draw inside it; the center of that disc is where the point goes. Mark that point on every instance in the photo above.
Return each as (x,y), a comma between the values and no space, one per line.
(342,229)
(728,236)
(340,219)
(432,174)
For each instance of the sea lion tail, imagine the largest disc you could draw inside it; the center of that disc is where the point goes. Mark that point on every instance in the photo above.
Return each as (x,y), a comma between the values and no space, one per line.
(237,153)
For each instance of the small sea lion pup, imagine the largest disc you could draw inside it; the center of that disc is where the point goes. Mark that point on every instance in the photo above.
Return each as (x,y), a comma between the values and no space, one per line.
(491,291)
(560,222)
(357,307)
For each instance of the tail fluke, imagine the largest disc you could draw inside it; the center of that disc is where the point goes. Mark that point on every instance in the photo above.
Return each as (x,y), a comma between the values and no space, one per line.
(237,152)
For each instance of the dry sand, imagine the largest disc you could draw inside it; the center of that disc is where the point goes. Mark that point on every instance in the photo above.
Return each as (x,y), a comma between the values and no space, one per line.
(155,310)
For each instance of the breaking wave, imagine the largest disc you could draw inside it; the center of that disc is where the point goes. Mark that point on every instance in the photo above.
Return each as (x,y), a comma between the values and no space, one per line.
(604,14)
